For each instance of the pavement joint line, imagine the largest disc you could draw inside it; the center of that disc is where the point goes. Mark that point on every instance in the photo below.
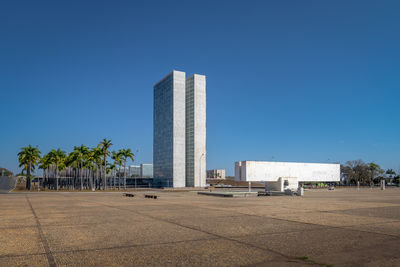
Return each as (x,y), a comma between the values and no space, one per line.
(113,247)
(48,225)
(361,215)
(294,221)
(134,245)
(372,223)
(21,255)
(327,226)
(146,244)
(209,233)
(276,233)
(18,227)
(53,225)
(49,256)
(314,224)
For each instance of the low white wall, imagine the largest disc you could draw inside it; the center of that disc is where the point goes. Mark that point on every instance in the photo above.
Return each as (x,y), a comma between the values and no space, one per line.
(280,186)
(272,171)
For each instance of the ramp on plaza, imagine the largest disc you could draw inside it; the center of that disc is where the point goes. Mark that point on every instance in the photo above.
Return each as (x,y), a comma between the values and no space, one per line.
(7,184)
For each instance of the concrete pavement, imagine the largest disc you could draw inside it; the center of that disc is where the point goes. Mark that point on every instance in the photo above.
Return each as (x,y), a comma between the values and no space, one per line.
(344,227)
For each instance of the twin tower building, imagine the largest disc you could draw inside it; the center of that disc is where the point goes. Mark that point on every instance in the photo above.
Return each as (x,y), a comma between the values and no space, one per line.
(179,144)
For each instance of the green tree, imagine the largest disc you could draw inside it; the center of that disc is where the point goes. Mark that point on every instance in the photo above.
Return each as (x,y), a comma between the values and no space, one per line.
(117,158)
(125,155)
(28,158)
(94,162)
(105,146)
(391,174)
(354,171)
(45,164)
(57,158)
(72,164)
(374,169)
(110,169)
(82,154)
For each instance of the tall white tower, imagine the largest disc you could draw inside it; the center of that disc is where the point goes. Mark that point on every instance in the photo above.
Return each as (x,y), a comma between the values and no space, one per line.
(179,145)
(169,131)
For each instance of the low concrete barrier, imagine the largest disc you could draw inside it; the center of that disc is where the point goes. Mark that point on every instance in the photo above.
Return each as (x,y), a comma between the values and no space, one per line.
(229,194)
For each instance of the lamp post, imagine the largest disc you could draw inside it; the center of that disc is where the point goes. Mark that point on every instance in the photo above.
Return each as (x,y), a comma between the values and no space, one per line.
(137,150)
(200,168)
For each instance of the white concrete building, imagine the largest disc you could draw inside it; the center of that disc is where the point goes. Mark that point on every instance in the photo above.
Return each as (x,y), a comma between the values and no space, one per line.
(286,173)
(134,171)
(146,170)
(179,141)
(169,130)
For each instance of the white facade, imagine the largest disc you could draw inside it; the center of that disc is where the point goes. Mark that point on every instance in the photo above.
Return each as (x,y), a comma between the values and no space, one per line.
(146,170)
(179,129)
(179,144)
(264,171)
(169,130)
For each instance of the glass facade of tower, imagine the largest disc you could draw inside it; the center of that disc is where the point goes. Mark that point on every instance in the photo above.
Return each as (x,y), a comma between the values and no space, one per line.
(163,132)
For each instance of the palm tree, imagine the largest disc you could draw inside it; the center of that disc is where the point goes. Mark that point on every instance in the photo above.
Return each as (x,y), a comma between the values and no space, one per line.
(94,162)
(116,156)
(57,158)
(111,169)
(72,163)
(28,157)
(45,164)
(125,155)
(391,174)
(83,152)
(104,146)
(374,168)
(89,165)
(77,160)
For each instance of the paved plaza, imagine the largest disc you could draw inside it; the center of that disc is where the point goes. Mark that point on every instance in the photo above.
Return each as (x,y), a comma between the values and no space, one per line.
(344,227)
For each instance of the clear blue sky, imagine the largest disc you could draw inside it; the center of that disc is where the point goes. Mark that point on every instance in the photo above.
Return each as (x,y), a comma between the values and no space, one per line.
(313,81)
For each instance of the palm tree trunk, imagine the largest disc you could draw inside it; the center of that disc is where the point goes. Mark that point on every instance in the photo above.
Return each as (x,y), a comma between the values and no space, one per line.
(125,175)
(105,172)
(96,177)
(81,176)
(28,177)
(56,177)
